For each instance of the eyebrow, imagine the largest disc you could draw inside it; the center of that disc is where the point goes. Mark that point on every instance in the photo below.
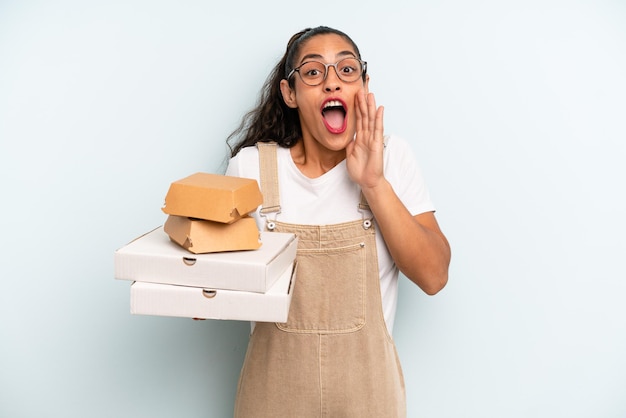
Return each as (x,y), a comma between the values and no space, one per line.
(318,56)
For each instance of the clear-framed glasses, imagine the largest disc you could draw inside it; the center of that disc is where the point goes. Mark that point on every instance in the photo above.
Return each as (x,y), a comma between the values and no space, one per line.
(313,73)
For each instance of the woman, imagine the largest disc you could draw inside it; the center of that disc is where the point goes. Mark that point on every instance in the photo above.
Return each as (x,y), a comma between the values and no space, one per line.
(360,209)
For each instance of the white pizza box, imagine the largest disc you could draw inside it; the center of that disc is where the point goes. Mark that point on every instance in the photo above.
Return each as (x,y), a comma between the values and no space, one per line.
(155,258)
(194,302)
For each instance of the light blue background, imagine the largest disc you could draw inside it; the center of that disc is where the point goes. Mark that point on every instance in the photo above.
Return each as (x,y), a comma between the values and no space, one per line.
(516,111)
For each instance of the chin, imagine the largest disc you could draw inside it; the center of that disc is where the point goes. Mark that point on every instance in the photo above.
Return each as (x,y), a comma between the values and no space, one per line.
(338,142)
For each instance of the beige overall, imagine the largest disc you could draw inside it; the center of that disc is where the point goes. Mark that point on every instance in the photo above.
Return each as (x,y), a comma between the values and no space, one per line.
(334,356)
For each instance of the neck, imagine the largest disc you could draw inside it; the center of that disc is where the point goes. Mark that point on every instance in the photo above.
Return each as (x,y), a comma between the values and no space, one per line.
(314,160)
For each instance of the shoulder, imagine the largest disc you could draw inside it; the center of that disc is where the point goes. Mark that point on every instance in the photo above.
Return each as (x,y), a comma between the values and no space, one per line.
(248,152)
(245,163)
(397,145)
(399,155)
(405,175)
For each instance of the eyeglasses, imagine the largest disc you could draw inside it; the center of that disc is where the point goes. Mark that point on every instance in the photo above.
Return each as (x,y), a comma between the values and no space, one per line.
(313,73)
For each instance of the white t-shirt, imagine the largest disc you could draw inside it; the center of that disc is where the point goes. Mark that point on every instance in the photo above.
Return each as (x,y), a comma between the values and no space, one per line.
(333,198)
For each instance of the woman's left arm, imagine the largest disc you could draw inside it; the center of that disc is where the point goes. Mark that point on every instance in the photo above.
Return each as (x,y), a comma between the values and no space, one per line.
(416,243)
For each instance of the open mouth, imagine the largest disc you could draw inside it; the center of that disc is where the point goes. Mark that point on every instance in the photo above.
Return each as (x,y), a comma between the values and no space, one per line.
(334,114)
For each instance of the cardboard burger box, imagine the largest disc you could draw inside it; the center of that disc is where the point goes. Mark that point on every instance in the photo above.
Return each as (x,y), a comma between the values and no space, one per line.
(213,197)
(192,302)
(155,258)
(201,236)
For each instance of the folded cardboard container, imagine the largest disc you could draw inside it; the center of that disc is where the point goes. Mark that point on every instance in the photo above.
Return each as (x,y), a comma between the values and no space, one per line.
(213,197)
(155,258)
(193,302)
(199,236)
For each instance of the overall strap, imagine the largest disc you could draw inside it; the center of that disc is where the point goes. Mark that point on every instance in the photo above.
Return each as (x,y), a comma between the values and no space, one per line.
(268,167)
(363,205)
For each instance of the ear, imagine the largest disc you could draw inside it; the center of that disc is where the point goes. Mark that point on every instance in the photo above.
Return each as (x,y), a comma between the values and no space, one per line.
(289,94)
(366,83)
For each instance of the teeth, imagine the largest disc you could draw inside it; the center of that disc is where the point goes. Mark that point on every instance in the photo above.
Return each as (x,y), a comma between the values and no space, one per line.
(332,103)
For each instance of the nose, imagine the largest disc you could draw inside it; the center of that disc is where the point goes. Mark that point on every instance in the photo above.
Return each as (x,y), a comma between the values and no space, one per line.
(332,81)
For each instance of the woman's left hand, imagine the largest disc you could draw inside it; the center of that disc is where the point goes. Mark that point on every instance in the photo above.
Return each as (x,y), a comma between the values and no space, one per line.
(364,155)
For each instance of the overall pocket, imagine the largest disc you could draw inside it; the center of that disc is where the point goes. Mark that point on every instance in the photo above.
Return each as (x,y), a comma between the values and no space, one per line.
(329,293)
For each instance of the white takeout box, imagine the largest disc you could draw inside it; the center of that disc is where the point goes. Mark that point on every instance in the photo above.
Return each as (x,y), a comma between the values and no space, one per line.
(154,258)
(192,302)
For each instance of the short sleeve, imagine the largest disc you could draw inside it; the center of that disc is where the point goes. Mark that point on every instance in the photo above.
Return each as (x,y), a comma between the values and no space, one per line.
(403,172)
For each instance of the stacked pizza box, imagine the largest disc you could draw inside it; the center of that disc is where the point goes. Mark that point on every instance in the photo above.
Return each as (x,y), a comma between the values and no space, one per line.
(209,259)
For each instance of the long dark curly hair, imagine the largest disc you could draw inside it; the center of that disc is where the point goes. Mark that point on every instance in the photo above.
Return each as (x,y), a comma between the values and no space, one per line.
(272,119)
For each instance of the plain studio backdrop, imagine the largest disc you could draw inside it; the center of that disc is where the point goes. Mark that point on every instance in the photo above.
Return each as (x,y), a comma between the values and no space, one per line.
(515,110)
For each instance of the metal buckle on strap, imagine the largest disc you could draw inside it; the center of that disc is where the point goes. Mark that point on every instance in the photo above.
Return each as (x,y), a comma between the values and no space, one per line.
(270,224)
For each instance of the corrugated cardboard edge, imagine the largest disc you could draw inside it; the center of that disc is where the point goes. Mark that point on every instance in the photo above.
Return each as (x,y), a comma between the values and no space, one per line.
(117,255)
(139,237)
(287,251)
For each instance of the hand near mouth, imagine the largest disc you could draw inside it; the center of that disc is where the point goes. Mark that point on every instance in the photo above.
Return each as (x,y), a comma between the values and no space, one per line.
(364,155)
